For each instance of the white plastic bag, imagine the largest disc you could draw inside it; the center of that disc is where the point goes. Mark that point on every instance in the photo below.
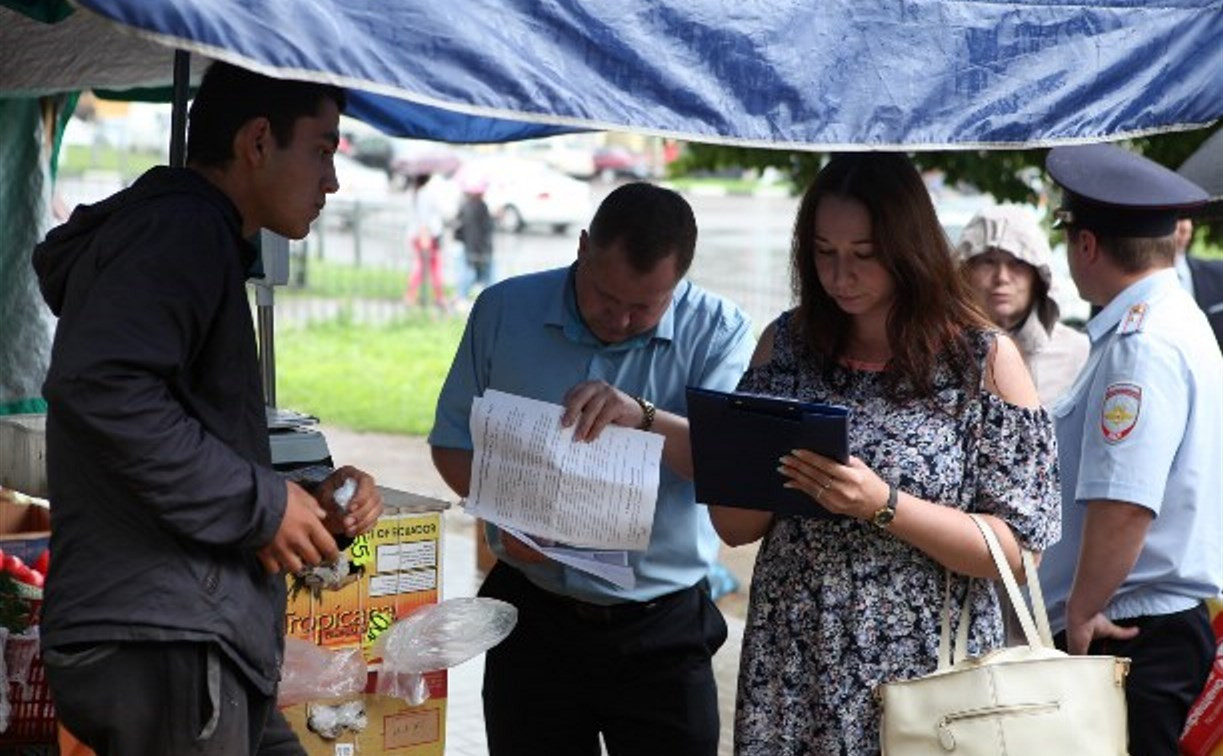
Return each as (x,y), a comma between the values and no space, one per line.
(312,673)
(438,636)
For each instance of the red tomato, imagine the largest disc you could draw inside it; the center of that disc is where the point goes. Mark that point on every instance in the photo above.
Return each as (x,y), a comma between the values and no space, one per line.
(43,561)
(37,579)
(24,574)
(11,563)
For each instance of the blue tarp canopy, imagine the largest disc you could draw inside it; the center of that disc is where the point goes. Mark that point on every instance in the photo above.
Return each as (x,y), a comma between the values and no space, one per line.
(813,74)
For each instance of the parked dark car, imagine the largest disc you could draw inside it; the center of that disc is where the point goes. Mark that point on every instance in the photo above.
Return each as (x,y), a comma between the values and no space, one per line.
(404,159)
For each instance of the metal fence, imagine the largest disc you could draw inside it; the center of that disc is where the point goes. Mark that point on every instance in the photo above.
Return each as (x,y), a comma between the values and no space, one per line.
(356,263)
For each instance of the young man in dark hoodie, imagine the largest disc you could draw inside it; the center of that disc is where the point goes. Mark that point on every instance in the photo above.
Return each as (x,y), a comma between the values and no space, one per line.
(163,620)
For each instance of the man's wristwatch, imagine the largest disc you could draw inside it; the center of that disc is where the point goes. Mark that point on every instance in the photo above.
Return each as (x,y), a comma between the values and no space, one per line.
(887,512)
(647,413)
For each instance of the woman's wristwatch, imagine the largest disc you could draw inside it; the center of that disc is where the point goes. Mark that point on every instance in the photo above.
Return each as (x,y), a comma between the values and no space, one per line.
(883,518)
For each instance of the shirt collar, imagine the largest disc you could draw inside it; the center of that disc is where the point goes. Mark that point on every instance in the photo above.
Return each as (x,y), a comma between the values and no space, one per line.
(1139,291)
(563,313)
(1183,272)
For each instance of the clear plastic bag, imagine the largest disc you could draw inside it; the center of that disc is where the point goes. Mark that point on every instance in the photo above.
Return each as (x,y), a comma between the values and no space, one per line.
(330,722)
(311,673)
(435,637)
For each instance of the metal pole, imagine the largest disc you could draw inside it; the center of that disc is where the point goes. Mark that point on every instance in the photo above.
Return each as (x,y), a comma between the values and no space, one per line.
(267,341)
(274,249)
(178,115)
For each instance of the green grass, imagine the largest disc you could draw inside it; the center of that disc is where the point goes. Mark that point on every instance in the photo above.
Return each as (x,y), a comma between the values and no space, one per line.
(75,159)
(383,379)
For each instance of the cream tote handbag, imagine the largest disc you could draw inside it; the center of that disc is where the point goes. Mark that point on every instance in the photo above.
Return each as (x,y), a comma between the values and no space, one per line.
(1018,701)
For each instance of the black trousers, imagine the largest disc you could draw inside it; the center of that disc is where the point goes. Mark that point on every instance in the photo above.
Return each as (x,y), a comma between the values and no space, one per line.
(639,674)
(1170,661)
(163,699)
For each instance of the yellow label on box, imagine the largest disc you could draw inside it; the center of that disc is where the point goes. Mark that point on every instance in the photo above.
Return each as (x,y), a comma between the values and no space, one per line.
(394,570)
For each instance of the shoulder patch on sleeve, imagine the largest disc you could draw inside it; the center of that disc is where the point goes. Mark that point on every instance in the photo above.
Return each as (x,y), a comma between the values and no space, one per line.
(1119,411)
(1134,318)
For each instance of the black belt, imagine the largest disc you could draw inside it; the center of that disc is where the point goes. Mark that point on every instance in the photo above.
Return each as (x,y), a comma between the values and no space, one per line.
(611,614)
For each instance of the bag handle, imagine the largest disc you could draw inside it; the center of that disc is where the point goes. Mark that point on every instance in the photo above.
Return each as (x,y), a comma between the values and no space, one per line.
(1037,597)
(1035,622)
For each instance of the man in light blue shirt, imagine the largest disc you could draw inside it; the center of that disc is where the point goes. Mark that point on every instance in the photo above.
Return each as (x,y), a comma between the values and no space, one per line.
(616,338)
(1140,440)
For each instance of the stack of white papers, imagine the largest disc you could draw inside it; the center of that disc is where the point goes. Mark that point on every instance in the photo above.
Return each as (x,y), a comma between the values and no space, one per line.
(611,565)
(530,477)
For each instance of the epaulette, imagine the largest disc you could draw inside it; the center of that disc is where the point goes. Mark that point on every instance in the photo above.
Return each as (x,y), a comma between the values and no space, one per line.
(1134,318)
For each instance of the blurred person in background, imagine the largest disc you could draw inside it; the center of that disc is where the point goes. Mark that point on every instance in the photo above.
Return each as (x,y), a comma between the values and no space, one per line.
(1006,257)
(1140,439)
(426,224)
(944,422)
(475,231)
(1201,278)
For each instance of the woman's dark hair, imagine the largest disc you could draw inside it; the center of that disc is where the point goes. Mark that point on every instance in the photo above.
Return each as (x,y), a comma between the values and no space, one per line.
(230,96)
(654,223)
(933,310)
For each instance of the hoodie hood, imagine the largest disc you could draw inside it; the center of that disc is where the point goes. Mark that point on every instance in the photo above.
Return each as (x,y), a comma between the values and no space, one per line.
(55,258)
(1014,230)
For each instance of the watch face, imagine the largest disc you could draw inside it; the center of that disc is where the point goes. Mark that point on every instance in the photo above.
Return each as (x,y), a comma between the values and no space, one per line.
(884,517)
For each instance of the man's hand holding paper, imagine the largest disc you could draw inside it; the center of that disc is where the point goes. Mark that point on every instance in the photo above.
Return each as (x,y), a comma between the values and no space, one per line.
(591,406)
(529,474)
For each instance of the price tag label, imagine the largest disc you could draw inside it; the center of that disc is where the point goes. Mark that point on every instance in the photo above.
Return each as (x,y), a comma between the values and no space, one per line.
(361,550)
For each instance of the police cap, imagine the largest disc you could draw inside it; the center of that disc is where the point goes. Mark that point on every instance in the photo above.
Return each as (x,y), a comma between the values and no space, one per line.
(1119,193)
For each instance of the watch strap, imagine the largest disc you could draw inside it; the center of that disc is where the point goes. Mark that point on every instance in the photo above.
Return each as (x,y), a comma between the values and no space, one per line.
(647,413)
(884,516)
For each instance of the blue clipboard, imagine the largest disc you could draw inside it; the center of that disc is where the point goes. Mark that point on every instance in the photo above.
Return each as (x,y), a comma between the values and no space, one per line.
(737,440)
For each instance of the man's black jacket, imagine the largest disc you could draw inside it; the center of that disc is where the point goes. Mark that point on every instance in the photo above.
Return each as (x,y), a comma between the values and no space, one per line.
(157,448)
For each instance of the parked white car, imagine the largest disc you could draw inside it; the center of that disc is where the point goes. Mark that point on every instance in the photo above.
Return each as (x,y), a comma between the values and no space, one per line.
(362,189)
(522,192)
(566,153)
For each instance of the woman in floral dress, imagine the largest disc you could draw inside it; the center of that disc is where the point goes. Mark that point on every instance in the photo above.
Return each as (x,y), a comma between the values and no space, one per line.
(944,421)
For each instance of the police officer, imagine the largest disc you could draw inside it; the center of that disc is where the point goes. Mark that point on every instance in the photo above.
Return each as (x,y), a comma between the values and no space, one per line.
(1140,437)
(1201,278)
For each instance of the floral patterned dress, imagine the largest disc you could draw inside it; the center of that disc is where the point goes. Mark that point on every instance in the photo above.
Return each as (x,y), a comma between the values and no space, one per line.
(839,606)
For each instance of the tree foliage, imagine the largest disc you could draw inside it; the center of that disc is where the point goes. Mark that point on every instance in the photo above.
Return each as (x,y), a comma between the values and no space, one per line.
(1009,175)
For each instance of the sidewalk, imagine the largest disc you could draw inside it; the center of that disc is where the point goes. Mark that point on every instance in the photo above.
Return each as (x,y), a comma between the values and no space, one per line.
(403,462)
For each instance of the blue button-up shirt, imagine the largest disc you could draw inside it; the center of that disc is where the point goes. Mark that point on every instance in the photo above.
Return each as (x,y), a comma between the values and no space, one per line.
(525,336)
(1143,424)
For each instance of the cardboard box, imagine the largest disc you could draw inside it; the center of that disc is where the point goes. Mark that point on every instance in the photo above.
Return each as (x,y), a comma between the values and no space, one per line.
(398,570)
(23,453)
(394,727)
(25,529)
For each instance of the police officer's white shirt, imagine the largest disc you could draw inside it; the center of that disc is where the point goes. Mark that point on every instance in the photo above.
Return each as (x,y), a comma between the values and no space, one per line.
(1143,423)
